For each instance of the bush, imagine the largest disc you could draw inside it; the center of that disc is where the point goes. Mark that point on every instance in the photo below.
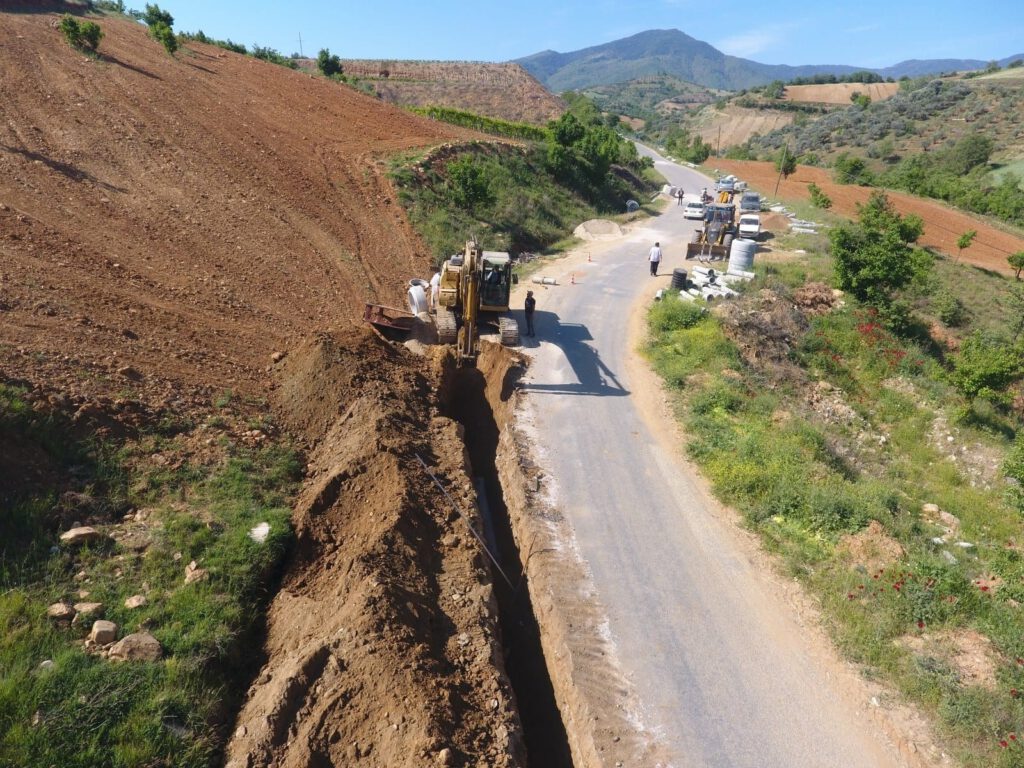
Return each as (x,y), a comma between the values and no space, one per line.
(164,35)
(673,313)
(950,310)
(468,184)
(818,198)
(265,53)
(850,169)
(84,37)
(985,368)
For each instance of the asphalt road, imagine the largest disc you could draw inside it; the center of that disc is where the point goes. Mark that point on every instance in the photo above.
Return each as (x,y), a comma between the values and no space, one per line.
(723,672)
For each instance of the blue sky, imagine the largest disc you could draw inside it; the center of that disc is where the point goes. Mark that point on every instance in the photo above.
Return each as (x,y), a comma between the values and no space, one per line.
(873,33)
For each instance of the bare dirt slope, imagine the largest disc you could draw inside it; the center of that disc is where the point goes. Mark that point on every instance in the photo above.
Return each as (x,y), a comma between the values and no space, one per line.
(942,224)
(839,93)
(186,217)
(505,91)
(735,125)
(166,225)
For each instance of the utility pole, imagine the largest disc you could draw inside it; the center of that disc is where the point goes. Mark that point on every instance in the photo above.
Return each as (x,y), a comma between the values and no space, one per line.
(719,152)
(782,166)
(300,46)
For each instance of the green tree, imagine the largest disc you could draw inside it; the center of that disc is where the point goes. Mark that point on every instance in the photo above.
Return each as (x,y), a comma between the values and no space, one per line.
(1016,261)
(161,27)
(785,163)
(850,169)
(985,367)
(154,14)
(964,241)
(874,259)
(164,35)
(328,64)
(776,89)
(468,184)
(968,153)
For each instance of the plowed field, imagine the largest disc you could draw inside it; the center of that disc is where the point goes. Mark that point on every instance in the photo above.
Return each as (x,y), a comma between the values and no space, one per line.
(942,225)
(840,93)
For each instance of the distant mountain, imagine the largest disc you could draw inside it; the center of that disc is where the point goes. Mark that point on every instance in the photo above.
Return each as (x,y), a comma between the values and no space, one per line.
(671,52)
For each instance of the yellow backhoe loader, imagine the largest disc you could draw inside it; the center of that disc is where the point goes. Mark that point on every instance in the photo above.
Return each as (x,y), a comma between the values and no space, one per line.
(714,239)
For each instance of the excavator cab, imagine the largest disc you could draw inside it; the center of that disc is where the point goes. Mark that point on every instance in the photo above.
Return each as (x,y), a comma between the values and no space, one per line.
(496,287)
(475,288)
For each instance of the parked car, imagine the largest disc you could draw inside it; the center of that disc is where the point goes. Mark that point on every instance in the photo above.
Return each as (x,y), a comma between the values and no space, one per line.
(751,201)
(726,184)
(693,210)
(750,226)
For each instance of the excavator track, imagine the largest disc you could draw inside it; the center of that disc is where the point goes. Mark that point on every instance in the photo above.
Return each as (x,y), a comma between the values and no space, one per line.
(509,330)
(447,327)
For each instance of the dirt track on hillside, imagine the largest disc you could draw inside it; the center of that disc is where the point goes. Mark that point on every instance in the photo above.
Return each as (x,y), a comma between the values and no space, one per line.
(942,225)
(186,217)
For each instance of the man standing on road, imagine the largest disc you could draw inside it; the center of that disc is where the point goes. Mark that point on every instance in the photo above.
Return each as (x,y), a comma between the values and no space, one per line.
(655,258)
(529,307)
(679,195)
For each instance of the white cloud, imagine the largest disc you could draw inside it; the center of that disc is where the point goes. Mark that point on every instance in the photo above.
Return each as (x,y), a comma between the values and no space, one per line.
(863,28)
(751,43)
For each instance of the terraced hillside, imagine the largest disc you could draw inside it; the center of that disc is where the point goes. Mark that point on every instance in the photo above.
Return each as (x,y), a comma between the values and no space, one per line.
(504,91)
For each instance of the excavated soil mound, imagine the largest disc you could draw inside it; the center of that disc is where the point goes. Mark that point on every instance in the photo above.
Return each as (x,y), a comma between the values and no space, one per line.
(382,646)
(942,225)
(168,223)
(598,229)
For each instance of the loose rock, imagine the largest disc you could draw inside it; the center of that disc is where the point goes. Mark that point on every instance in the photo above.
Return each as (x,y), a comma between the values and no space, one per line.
(103,632)
(194,573)
(140,646)
(83,535)
(135,601)
(60,613)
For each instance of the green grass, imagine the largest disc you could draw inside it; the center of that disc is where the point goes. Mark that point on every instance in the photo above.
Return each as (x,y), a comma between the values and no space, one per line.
(526,208)
(86,711)
(802,483)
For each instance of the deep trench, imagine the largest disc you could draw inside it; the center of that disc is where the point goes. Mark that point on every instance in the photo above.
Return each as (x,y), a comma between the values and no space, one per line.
(547,744)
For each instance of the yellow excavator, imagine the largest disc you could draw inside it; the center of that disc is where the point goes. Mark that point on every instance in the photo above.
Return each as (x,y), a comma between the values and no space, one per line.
(475,287)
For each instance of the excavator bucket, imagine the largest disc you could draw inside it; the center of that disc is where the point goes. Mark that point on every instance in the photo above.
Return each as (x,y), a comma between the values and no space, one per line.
(707,251)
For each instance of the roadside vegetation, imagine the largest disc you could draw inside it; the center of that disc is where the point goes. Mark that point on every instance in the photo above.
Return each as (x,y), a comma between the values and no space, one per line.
(874,440)
(522,198)
(180,498)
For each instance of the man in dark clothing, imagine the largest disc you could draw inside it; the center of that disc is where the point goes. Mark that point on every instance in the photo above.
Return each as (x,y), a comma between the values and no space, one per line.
(531,305)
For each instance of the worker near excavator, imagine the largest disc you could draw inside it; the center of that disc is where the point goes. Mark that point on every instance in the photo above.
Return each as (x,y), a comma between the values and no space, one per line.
(435,287)
(529,307)
(655,258)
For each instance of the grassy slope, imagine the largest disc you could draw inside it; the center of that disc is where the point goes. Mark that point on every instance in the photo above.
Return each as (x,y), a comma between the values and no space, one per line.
(87,711)
(529,209)
(803,481)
